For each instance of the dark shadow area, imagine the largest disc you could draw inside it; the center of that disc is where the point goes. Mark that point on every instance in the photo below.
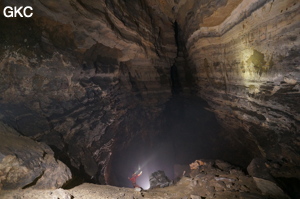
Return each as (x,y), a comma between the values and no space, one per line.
(176,30)
(290,186)
(192,129)
(175,80)
(79,175)
(176,86)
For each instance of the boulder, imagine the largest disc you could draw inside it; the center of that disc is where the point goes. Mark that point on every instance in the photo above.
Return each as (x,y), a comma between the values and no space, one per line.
(159,179)
(270,188)
(27,163)
(257,168)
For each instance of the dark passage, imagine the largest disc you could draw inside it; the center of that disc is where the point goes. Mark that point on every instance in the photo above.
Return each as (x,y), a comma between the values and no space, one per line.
(290,186)
(176,33)
(188,132)
(185,131)
(176,86)
(175,80)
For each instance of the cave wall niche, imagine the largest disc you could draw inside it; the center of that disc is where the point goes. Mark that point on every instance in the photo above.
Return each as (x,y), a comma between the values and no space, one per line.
(90,79)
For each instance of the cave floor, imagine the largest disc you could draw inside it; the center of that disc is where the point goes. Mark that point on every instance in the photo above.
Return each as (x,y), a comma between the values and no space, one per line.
(186,188)
(205,179)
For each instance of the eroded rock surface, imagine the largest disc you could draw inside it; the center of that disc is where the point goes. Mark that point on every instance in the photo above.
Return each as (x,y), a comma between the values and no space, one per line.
(246,66)
(76,74)
(25,163)
(88,77)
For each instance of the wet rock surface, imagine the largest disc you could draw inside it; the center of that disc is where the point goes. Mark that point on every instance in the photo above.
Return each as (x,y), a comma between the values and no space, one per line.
(25,163)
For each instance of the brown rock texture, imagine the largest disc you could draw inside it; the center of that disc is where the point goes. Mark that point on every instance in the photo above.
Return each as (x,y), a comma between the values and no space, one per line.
(26,163)
(247,67)
(88,77)
(215,179)
(76,73)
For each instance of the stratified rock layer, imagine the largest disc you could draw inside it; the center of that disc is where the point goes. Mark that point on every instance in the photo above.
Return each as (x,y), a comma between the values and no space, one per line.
(86,76)
(246,64)
(76,74)
(26,163)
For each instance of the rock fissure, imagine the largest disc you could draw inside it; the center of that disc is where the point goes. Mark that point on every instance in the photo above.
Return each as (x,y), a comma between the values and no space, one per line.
(33,182)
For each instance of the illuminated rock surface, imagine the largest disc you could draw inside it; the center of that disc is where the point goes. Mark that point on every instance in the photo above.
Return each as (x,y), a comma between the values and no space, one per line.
(247,68)
(25,163)
(95,81)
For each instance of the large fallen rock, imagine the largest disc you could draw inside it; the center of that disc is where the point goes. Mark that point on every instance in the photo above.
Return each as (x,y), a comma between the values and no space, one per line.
(27,163)
(159,179)
(258,169)
(270,188)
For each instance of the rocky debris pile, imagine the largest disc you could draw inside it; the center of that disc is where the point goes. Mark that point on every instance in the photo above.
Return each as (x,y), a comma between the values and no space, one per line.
(219,179)
(159,179)
(210,179)
(26,163)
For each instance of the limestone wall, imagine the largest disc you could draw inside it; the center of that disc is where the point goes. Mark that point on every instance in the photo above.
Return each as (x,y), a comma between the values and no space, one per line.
(247,68)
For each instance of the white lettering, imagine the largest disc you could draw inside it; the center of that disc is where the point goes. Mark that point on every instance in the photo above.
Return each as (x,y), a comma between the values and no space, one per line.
(30,8)
(9,13)
(17,11)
